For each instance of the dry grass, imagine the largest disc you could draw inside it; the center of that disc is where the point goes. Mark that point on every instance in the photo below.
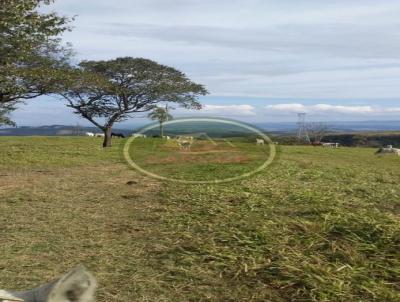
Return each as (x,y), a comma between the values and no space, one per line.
(52,222)
(199,157)
(319,225)
(201,146)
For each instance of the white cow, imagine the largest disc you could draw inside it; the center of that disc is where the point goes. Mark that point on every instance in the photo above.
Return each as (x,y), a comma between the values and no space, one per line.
(99,134)
(91,134)
(260,141)
(185,142)
(388,149)
(138,135)
(331,145)
(76,286)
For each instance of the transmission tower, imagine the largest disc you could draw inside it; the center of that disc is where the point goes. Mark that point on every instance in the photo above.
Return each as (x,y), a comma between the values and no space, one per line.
(302,133)
(77,130)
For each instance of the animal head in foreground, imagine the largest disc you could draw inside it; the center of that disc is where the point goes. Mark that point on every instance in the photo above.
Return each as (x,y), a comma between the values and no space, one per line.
(76,286)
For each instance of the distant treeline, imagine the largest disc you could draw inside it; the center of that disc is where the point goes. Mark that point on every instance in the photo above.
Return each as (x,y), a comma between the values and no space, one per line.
(350,139)
(358,139)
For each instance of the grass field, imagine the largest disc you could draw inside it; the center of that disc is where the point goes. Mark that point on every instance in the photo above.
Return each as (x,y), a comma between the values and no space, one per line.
(317,225)
(206,161)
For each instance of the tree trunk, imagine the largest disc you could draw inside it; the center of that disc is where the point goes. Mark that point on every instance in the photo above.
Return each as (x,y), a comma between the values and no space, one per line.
(161,130)
(107,138)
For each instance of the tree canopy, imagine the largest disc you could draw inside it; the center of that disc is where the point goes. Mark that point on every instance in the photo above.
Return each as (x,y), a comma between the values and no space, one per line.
(107,92)
(32,58)
(4,118)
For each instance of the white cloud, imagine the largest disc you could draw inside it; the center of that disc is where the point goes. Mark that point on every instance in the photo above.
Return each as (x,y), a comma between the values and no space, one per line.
(222,110)
(343,109)
(336,52)
(343,49)
(229,109)
(290,108)
(332,109)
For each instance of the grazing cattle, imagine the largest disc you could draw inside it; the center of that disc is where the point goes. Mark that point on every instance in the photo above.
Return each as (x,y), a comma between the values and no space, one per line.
(76,286)
(260,141)
(138,135)
(99,134)
(91,134)
(120,135)
(387,150)
(330,145)
(185,142)
(167,137)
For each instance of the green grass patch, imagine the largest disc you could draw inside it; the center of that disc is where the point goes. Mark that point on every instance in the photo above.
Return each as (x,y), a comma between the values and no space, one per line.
(204,161)
(317,225)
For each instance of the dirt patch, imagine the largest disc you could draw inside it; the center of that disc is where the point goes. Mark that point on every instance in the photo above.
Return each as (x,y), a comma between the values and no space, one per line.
(199,158)
(199,146)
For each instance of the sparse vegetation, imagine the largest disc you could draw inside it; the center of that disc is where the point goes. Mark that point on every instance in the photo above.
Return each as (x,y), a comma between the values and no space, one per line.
(352,139)
(317,225)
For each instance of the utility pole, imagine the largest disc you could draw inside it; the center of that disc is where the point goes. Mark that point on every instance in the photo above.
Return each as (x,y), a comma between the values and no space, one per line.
(302,133)
(77,130)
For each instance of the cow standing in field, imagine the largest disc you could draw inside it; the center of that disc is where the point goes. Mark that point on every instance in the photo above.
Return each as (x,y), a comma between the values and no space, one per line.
(120,135)
(137,135)
(99,134)
(387,150)
(185,142)
(91,134)
(76,286)
(260,141)
(330,145)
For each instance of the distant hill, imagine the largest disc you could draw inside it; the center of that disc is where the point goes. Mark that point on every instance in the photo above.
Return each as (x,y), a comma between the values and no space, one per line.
(217,129)
(374,139)
(53,130)
(334,126)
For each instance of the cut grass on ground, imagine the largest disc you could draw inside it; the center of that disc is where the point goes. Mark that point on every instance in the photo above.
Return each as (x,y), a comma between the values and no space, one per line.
(317,225)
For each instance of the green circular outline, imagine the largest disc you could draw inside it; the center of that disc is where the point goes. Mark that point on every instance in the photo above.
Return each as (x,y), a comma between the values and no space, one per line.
(269,160)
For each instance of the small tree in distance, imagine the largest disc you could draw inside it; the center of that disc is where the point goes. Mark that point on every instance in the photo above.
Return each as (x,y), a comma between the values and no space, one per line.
(106,92)
(161,115)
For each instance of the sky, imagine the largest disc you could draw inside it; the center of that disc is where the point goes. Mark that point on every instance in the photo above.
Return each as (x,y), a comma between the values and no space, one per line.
(261,60)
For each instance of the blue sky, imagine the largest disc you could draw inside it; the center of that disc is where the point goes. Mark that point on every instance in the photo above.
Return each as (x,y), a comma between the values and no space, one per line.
(261,60)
